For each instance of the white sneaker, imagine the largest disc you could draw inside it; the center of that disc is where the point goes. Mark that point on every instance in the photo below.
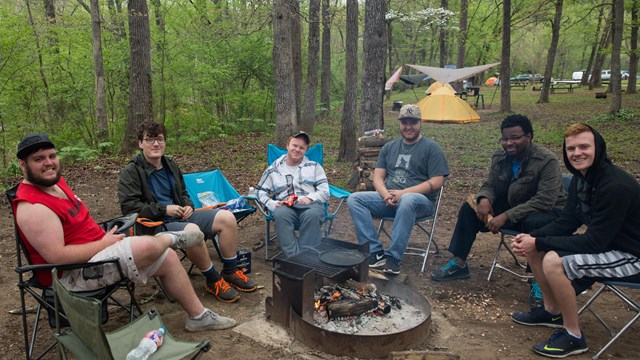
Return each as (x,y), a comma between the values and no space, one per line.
(184,239)
(209,321)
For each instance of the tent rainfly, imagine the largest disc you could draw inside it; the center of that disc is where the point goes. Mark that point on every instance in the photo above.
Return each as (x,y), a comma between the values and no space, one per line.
(444,106)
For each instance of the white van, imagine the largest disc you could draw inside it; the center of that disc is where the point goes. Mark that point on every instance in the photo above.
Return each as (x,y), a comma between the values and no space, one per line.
(605,75)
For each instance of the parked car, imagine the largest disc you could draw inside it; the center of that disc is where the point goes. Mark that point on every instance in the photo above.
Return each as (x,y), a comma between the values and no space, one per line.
(526,78)
(577,75)
(625,74)
(605,75)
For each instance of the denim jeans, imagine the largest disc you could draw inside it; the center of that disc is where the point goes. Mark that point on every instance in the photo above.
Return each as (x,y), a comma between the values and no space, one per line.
(366,205)
(309,219)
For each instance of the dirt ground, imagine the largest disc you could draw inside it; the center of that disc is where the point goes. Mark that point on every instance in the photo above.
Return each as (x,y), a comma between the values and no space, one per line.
(470,318)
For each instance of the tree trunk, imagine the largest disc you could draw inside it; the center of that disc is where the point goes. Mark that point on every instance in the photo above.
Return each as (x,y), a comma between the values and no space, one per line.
(115,9)
(443,37)
(285,103)
(101,98)
(308,119)
(594,50)
(462,35)
(140,90)
(601,53)
(41,69)
(374,44)
(296,53)
(615,82)
(389,53)
(161,50)
(633,56)
(551,55)
(505,66)
(325,80)
(347,150)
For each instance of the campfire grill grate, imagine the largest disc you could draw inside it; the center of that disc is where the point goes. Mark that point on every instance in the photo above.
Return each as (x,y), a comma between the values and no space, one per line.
(310,258)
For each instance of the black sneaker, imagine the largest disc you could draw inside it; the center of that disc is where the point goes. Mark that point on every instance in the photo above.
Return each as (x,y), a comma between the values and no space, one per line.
(392,266)
(451,271)
(535,297)
(561,344)
(538,317)
(377,259)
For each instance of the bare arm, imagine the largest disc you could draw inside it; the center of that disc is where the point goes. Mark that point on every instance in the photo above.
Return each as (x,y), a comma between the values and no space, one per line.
(379,174)
(44,230)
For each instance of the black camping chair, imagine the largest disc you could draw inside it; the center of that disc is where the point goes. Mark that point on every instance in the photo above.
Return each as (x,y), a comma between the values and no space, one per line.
(43,295)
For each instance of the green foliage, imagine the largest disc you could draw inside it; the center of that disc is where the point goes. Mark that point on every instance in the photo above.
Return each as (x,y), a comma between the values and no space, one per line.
(71,154)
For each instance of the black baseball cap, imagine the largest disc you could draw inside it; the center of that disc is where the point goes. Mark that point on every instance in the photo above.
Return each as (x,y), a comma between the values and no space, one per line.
(303,135)
(32,143)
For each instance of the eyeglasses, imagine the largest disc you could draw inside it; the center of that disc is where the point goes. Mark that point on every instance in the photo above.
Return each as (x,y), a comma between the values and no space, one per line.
(151,140)
(512,139)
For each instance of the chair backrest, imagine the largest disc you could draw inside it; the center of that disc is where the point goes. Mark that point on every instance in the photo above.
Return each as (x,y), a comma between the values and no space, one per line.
(314,153)
(85,316)
(20,248)
(212,181)
(566,181)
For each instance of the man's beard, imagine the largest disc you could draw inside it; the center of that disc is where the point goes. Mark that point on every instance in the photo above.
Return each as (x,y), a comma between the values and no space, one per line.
(30,176)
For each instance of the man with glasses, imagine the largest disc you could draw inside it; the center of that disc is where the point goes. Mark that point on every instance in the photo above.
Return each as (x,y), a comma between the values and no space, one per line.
(151,185)
(522,192)
(408,174)
(295,189)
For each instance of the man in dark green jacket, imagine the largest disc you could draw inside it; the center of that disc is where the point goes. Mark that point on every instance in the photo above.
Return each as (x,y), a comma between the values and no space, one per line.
(152,186)
(522,192)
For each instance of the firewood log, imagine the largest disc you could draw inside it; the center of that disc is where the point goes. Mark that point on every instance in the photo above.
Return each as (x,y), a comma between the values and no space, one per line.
(345,308)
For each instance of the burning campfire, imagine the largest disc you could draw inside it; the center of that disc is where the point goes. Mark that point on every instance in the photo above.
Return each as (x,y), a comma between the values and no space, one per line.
(355,307)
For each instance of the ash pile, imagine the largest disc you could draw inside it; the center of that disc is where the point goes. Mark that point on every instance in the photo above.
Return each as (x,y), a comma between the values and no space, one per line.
(358,308)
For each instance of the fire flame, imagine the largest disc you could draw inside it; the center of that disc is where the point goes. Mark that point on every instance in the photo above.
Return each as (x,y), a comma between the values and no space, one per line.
(317,304)
(335,295)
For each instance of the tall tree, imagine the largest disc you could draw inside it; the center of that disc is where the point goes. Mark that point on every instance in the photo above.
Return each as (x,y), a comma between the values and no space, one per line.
(309,103)
(296,51)
(374,43)
(43,75)
(462,34)
(325,77)
(601,54)
(443,37)
(633,49)
(615,82)
(101,97)
(551,54)
(594,51)
(505,66)
(140,89)
(347,150)
(285,103)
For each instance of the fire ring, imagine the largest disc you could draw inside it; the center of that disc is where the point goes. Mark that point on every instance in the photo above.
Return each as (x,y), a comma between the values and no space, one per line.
(365,346)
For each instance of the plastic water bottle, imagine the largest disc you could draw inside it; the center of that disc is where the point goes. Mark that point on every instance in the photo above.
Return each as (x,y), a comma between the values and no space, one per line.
(252,193)
(148,345)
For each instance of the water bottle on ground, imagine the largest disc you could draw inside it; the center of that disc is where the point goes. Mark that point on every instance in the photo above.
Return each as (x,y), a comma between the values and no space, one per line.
(374,132)
(148,345)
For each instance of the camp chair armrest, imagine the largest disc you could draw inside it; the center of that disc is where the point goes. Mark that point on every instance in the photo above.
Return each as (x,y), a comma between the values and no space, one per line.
(260,206)
(62,267)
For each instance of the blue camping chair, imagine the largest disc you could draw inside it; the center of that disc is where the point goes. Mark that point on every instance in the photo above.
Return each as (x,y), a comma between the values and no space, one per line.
(314,153)
(214,183)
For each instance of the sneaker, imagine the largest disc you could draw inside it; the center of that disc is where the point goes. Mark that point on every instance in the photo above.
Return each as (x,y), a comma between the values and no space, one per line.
(451,271)
(538,317)
(209,321)
(222,291)
(535,297)
(562,344)
(240,281)
(377,259)
(392,266)
(184,239)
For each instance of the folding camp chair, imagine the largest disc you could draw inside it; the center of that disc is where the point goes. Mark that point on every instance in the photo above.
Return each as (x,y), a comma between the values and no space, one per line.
(616,288)
(87,339)
(314,153)
(504,233)
(420,250)
(213,184)
(44,294)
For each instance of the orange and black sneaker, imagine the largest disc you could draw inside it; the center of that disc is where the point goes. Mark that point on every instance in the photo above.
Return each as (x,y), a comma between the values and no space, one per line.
(222,291)
(240,281)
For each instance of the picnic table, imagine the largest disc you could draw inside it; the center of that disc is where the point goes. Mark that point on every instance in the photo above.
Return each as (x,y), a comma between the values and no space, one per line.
(564,85)
(522,84)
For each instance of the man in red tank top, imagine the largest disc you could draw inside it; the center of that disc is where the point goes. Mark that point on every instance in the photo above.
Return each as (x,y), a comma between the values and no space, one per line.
(58,229)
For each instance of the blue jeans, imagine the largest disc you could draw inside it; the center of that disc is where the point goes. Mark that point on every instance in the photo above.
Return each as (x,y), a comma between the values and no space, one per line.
(366,205)
(309,219)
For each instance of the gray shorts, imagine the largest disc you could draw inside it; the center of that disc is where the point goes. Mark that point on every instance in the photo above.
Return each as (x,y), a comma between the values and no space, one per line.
(202,218)
(121,250)
(585,269)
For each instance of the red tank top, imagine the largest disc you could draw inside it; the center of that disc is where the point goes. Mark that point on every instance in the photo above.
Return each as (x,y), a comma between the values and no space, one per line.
(77,224)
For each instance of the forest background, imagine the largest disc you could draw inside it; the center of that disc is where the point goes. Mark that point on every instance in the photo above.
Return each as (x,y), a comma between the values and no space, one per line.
(88,72)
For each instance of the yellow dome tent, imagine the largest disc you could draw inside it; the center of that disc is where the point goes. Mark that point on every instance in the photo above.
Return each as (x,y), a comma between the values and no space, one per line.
(438,85)
(444,106)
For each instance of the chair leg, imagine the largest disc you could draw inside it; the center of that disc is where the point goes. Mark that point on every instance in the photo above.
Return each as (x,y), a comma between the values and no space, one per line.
(495,264)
